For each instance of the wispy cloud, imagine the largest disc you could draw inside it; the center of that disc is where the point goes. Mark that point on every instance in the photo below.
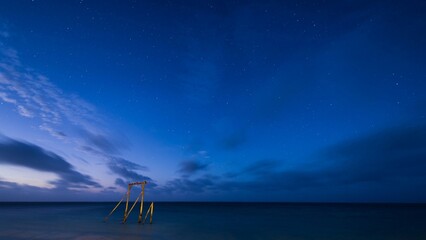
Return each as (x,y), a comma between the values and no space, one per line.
(34,96)
(24,112)
(5,98)
(53,132)
(101,142)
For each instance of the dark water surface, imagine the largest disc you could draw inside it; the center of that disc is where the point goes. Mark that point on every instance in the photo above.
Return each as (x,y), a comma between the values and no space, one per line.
(83,221)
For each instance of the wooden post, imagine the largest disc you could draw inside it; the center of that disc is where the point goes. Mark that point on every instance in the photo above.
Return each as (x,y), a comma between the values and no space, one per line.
(152,213)
(127,203)
(141,208)
(116,206)
(134,204)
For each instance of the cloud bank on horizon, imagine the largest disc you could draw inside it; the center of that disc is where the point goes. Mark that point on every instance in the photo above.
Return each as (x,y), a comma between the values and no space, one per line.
(273,102)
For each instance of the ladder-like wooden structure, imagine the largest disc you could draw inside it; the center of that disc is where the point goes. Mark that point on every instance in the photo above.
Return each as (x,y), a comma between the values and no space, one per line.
(127,211)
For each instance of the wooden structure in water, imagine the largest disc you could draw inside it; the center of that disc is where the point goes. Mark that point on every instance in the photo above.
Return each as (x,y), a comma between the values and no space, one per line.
(127,211)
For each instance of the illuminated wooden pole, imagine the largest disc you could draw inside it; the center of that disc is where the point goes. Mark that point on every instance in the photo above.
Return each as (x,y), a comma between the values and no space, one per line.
(116,206)
(134,204)
(152,213)
(141,208)
(127,203)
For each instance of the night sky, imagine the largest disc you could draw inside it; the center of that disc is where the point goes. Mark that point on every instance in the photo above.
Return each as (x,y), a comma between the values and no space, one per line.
(213,100)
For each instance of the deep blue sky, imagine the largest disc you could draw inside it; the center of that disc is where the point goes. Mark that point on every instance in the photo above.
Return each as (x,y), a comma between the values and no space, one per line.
(213,100)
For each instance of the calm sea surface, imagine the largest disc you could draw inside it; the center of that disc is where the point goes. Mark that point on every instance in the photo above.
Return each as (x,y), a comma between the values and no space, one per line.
(79,221)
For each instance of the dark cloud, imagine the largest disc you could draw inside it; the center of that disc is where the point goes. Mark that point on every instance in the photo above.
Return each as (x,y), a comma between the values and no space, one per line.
(234,140)
(128,172)
(391,154)
(397,153)
(31,156)
(384,166)
(258,168)
(128,164)
(190,167)
(230,133)
(120,182)
(185,185)
(261,167)
(62,134)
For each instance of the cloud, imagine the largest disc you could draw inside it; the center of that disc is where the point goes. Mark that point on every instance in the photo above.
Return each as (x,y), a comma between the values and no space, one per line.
(128,164)
(34,96)
(387,155)
(196,162)
(128,172)
(382,158)
(25,112)
(230,132)
(5,98)
(101,142)
(4,34)
(261,167)
(31,156)
(383,166)
(53,132)
(185,185)
(62,115)
(190,167)
(120,182)
(234,140)
(17,192)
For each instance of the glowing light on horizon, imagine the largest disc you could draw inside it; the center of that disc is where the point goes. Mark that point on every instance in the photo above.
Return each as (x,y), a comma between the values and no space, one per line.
(27,176)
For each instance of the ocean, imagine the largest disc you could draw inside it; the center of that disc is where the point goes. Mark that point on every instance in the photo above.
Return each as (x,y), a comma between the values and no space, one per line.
(84,221)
